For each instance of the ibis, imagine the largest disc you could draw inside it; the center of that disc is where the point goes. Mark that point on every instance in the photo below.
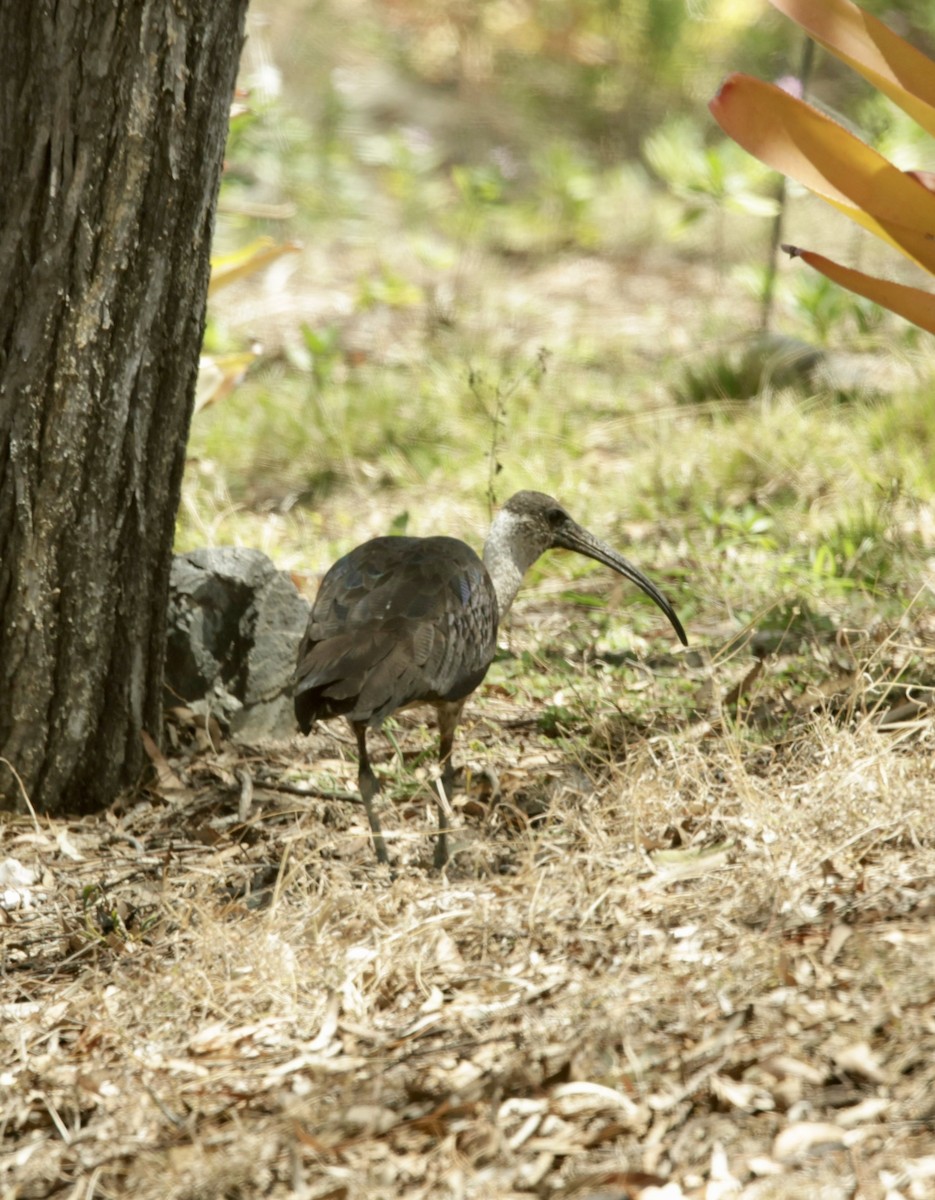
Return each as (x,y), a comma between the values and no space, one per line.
(401,621)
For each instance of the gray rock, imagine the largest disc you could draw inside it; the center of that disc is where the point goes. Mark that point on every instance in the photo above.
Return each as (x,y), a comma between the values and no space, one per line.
(235,624)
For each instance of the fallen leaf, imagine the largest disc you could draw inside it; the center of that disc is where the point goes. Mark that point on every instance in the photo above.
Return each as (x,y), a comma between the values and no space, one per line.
(859,1059)
(795,1141)
(166,778)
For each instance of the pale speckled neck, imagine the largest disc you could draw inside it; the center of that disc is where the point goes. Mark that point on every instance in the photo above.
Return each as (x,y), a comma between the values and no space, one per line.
(508,555)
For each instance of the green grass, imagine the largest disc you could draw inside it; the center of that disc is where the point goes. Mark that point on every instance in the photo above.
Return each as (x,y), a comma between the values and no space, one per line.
(459,328)
(681,876)
(782,488)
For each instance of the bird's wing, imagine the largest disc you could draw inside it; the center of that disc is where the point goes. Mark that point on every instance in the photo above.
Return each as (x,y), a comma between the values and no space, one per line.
(396,621)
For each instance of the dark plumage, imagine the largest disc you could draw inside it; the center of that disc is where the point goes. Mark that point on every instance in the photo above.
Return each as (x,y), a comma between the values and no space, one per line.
(401,621)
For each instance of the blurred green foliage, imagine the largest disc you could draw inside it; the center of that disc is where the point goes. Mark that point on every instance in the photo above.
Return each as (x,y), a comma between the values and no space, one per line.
(600,71)
(478,182)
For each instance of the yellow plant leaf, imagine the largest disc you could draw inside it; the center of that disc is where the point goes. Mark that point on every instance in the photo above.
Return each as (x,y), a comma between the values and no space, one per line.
(219,375)
(803,143)
(912,303)
(891,64)
(247,261)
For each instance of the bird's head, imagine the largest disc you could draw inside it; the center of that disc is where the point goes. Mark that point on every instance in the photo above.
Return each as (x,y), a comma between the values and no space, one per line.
(531,523)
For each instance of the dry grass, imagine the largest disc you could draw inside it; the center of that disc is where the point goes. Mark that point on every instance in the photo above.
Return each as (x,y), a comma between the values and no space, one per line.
(685,948)
(692,958)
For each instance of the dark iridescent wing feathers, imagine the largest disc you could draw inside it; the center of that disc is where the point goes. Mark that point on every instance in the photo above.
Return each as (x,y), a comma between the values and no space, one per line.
(396,621)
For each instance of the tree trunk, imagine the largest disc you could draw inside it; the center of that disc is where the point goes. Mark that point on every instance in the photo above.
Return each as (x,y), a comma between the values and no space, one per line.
(113,120)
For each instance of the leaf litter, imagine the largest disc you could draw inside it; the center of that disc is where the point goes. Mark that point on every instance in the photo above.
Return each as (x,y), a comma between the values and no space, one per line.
(701,964)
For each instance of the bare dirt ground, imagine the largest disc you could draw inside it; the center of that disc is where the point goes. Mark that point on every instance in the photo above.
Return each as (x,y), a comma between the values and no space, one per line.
(672,957)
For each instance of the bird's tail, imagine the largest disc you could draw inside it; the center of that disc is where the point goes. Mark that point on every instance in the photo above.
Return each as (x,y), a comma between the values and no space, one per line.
(361,679)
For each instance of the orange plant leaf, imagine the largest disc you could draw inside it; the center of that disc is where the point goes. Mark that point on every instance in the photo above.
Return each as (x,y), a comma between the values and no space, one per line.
(926,178)
(912,303)
(805,144)
(891,64)
(220,374)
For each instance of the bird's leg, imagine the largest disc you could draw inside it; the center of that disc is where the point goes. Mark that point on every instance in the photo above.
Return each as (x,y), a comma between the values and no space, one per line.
(369,787)
(448,716)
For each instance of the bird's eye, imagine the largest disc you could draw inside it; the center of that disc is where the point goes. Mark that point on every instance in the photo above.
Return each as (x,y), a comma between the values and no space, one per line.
(556,516)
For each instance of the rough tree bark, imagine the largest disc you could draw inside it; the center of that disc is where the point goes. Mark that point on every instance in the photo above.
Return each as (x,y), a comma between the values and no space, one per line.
(113,120)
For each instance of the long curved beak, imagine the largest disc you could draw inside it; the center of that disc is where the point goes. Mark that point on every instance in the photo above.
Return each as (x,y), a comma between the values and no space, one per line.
(570,536)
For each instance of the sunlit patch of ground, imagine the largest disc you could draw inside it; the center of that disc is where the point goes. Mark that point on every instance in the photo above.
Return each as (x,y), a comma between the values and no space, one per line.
(683,945)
